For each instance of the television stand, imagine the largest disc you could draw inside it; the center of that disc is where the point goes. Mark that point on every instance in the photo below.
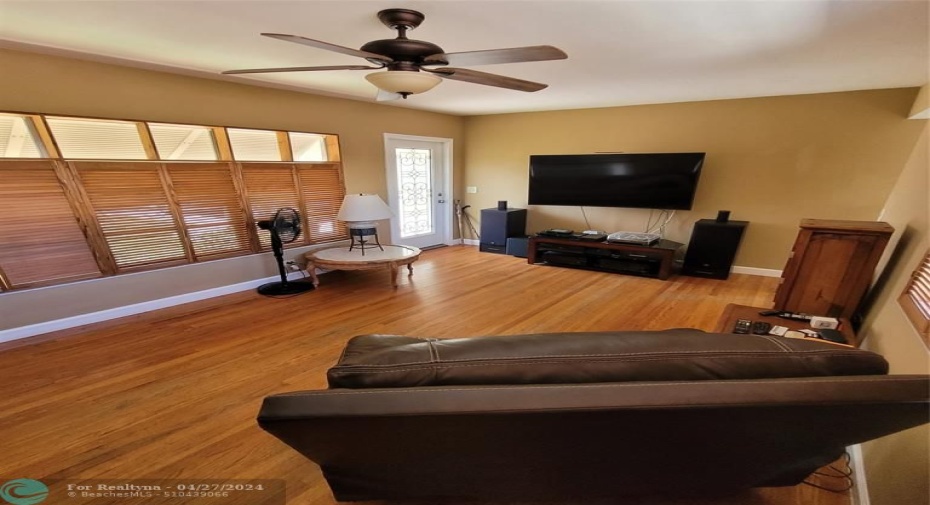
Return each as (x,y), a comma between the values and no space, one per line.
(655,260)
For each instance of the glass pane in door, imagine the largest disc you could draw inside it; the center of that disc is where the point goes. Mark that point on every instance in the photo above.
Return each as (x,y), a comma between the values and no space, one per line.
(414,181)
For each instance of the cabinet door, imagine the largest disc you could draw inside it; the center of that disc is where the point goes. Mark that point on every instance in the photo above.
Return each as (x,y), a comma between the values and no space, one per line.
(833,272)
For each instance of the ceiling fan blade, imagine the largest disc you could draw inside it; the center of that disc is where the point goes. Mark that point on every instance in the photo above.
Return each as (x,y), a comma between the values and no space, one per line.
(387,96)
(494,56)
(299,69)
(319,44)
(475,77)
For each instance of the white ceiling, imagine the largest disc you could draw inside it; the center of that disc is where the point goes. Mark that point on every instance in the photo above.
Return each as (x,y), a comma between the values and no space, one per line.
(619,52)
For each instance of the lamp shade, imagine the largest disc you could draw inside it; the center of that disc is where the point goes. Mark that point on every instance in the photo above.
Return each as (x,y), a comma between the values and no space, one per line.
(363,209)
(404,82)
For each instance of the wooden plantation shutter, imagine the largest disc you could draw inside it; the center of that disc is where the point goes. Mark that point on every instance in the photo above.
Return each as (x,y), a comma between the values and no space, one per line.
(271,186)
(322,189)
(41,241)
(133,212)
(916,298)
(210,208)
(89,197)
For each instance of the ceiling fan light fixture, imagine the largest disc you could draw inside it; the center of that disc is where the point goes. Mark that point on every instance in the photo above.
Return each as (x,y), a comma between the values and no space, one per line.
(403,82)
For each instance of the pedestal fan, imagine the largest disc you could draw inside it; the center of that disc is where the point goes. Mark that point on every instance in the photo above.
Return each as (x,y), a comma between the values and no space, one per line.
(284,228)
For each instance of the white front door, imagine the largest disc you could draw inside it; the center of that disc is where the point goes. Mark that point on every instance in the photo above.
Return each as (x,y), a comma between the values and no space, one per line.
(418,171)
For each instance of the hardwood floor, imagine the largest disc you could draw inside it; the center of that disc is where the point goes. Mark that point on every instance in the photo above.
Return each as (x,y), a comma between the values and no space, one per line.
(173,394)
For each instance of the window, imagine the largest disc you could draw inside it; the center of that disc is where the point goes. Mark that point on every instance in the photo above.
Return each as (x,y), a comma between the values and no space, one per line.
(183,142)
(79,138)
(916,298)
(254,145)
(18,138)
(307,146)
(131,195)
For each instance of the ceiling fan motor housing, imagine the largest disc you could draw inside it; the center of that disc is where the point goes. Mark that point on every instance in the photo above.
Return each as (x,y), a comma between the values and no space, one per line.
(406,53)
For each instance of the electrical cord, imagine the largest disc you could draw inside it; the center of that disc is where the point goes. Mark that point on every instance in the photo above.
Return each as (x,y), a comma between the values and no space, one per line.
(649,221)
(659,228)
(845,475)
(839,490)
(586,223)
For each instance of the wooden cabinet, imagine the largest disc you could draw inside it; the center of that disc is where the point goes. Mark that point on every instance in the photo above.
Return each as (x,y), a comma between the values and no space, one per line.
(655,260)
(831,266)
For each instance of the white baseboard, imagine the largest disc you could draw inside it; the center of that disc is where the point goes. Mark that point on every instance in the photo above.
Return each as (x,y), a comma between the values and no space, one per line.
(860,491)
(129,310)
(138,308)
(764,272)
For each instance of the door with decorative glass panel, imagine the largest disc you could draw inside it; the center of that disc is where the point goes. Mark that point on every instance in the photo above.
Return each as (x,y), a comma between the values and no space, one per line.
(417,175)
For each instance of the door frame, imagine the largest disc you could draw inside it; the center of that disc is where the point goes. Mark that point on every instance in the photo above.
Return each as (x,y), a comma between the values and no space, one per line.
(446,210)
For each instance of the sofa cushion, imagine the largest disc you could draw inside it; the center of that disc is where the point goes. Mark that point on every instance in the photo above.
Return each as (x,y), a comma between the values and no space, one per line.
(373,361)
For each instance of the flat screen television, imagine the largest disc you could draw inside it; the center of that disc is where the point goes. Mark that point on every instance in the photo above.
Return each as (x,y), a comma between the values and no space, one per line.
(648,181)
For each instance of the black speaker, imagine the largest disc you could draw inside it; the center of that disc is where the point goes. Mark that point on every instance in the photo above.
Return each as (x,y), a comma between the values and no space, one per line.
(499,225)
(518,246)
(712,248)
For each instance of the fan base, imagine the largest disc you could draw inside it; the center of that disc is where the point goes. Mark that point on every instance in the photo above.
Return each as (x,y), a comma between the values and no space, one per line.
(284,288)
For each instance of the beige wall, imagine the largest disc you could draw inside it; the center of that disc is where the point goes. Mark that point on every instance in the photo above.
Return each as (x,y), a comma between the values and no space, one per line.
(898,466)
(771,161)
(40,83)
(921,107)
(49,84)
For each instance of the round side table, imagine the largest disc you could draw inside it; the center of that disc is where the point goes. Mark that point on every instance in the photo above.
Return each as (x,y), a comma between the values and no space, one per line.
(341,258)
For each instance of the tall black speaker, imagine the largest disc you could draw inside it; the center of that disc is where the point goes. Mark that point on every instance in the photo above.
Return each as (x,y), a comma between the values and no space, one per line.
(499,225)
(712,248)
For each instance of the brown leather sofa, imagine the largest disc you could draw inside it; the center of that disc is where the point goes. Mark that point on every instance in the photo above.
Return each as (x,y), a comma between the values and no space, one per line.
(589,415)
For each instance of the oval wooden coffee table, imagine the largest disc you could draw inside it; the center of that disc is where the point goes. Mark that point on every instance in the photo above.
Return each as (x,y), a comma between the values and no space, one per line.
(341,258)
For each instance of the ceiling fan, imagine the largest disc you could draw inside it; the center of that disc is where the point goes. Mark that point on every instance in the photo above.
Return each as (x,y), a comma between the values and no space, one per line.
(407,61)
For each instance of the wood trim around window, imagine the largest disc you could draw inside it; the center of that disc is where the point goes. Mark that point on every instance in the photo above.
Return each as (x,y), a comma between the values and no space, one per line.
(915,300)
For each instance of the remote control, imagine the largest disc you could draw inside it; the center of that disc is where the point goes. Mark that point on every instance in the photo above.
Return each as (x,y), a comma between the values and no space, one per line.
(796,316)
(832,335)
(742,326)
(761,327)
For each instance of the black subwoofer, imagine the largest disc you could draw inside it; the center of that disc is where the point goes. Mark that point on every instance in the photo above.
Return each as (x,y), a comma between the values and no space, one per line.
(712,248)
(499,225)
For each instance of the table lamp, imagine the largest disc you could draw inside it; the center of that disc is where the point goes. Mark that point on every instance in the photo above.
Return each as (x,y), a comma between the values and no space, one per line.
(360,212)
